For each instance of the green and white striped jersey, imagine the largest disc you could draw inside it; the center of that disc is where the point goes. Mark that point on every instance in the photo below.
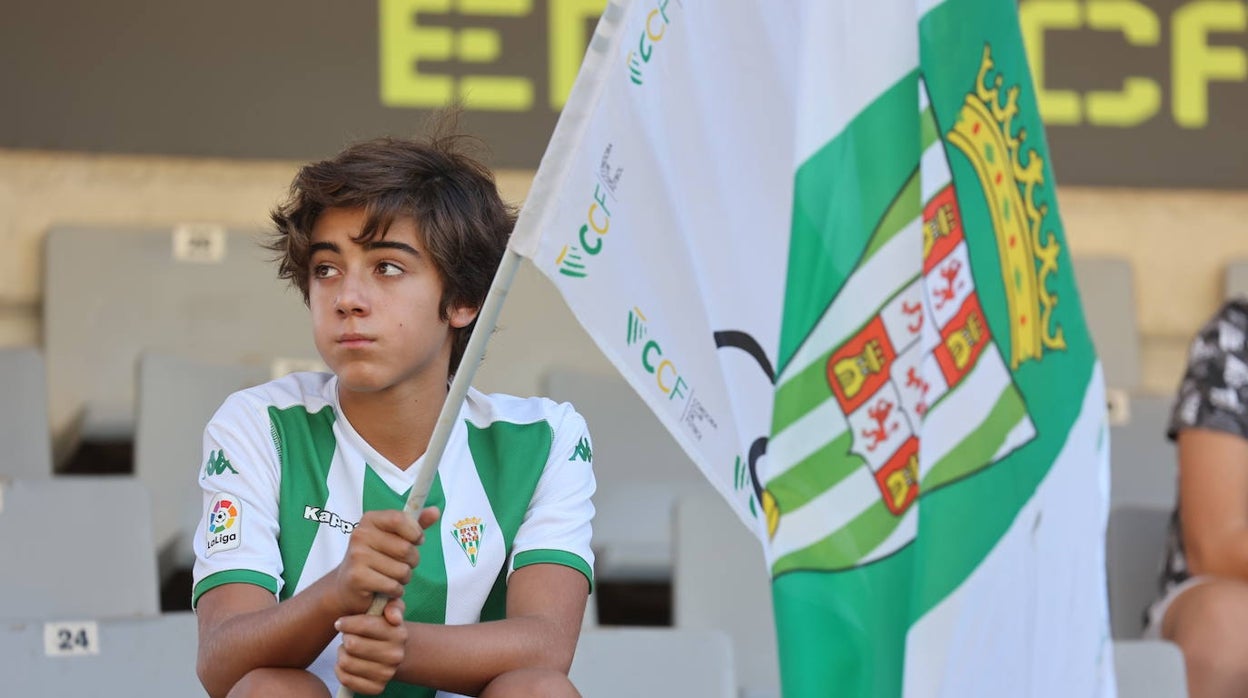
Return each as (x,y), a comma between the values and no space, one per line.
(287,478)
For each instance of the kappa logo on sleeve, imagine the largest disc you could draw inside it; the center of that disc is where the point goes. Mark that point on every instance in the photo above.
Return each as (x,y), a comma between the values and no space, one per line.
(225,523)
(218,464)
(583,451)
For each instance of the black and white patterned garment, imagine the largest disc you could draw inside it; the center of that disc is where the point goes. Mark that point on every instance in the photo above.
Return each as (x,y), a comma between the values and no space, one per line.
(1213,395)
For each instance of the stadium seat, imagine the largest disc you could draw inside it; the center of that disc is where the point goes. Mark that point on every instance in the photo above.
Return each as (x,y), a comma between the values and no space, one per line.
(1143,463)
(1107,294)
(1149,669)
(24,415)
(110,294)
(653,662)
(1236,283)
(76,547)
(1135,544)
(177,397)
(640,471)
(114,658)
(720,582)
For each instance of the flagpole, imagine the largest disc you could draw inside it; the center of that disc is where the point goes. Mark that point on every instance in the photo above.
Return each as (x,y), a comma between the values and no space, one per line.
(487,319)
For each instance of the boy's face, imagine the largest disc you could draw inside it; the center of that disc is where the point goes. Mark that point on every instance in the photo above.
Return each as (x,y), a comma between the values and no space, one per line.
(375,306)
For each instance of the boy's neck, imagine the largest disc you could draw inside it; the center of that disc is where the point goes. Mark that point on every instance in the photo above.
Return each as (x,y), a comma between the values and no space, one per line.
(398,422)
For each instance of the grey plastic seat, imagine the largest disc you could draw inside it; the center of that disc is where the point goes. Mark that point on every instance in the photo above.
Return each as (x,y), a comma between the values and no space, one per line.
(177,397)
(1107,294)
(721,582)
(24,429)
(653,662)
(1135,544)
(640,471)
(1143,462)
(1149,669)
(1236,282)
(111,294)
(132,658)
(76,546)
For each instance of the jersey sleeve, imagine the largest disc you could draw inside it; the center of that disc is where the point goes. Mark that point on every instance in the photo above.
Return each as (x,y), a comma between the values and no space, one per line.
(557,526)
(236,541)
(1214,390)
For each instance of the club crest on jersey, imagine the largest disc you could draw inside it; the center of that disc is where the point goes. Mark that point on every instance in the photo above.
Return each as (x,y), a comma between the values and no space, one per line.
(225,523)
(467,532)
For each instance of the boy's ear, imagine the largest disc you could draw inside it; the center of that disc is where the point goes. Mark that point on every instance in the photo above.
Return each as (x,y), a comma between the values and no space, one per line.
(461,315)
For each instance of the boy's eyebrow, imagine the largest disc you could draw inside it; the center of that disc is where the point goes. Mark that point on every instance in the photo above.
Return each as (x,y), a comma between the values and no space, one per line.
(391,245)
(370,245)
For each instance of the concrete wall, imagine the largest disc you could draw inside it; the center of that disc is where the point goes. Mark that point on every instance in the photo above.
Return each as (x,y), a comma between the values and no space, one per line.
(1178,243)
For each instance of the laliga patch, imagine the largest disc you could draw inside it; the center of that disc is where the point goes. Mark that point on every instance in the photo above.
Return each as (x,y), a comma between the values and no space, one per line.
(225,523)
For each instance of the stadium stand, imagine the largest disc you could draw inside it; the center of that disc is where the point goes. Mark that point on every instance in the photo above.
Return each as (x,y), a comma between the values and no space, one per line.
(1149,669)
(176,398)
(638,482)
(110,294)
(150,657)
(1107,293)
(653,662)
(720,582)
(76,546)
(24,415)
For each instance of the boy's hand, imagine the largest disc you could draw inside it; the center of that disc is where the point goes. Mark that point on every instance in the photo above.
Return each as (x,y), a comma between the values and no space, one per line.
(380,557)
(372,649)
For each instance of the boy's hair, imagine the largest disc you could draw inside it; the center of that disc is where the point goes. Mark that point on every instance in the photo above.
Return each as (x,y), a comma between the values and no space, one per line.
(452,197)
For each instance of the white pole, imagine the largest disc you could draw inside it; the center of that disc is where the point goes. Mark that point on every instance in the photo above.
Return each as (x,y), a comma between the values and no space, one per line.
(487,319)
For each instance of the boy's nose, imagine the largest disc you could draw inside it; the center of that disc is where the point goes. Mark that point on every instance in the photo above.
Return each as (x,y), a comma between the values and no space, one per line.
(352,297)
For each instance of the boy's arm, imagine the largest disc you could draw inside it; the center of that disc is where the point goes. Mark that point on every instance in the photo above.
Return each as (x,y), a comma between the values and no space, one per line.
(545,604)
(243,627)
(1213,486)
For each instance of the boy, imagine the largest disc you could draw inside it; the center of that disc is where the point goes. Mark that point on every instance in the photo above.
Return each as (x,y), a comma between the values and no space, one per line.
(393,244)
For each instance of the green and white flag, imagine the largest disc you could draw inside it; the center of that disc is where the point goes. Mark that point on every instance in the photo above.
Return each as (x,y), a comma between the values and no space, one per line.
(821,239)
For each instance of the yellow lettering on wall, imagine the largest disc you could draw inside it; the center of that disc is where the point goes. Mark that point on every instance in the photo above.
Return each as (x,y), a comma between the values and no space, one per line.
(1057,107)
(1196,63)
(1140,97)
(405,43)
(567,42)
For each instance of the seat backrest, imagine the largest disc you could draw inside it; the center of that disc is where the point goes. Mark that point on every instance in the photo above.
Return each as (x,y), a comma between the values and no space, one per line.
(1107,294)
(24,427)
(654,662)
(720,582)
(76,546)
(640,471)
(1143,462)
(1149,669)
(137,657)
(1236,283)
(110,294)
(1135,544)
(177,397)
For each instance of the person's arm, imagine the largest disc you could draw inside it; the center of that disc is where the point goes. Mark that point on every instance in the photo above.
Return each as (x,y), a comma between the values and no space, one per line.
(545,604)
(1213,490)
(243,627)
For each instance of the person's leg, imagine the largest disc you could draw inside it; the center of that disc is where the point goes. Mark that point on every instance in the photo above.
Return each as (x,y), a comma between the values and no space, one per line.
(1209,622)
(279,683)
(534,683)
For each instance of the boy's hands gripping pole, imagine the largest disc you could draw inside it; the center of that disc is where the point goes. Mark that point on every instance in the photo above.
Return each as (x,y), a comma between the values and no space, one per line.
(473,353)
(377,567)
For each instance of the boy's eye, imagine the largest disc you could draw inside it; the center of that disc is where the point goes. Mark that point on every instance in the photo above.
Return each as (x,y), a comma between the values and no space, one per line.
(323,271)
(389,269)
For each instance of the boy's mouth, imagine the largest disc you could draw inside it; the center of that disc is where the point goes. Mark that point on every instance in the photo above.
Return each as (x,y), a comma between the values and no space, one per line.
(354,340)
